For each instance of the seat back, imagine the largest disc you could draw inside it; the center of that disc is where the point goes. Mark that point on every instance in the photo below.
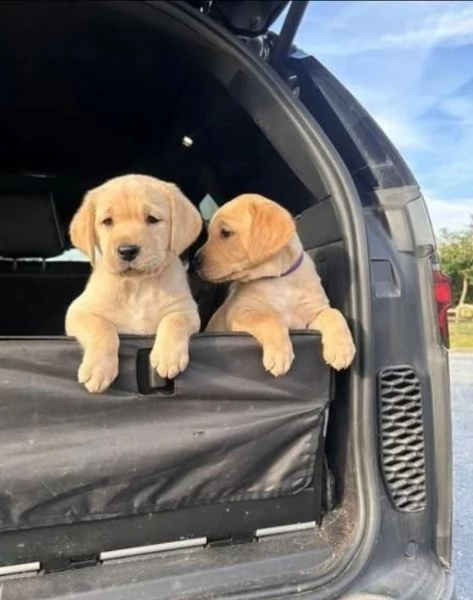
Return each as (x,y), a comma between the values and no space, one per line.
(34,293)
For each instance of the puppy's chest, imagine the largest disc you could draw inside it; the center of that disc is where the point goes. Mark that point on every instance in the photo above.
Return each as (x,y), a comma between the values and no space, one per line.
(285,300)
(139,313)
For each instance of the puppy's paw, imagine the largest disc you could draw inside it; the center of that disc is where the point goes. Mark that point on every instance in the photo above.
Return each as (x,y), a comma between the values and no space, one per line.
(98,372)
(278,359)
(338,349)
(168,362)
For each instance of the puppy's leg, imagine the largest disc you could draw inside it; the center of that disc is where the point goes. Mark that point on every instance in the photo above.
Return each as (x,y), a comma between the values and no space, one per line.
(217,320)
(170,353)
(337,341)
(273,336)
(99,339)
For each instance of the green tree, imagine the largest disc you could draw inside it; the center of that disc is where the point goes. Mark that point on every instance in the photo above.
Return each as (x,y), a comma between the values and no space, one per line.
(456,256)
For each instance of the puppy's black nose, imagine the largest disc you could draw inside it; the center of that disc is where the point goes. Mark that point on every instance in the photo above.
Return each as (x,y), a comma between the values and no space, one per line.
(128,253)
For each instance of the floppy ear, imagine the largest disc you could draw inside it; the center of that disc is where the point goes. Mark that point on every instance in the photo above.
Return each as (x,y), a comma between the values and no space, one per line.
(82,228)
(272,227)
(186,222)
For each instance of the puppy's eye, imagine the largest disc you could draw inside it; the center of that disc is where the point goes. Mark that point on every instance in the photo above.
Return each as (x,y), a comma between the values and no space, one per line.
(226,233)
(152,220)
(108,222)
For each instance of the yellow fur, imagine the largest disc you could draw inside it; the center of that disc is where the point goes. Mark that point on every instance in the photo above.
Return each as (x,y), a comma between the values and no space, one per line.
(149,295)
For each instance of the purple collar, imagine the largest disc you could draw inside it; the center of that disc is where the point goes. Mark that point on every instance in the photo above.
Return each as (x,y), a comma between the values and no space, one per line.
(294,266)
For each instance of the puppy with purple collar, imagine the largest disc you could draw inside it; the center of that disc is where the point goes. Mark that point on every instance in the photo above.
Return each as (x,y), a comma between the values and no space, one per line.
(275,287)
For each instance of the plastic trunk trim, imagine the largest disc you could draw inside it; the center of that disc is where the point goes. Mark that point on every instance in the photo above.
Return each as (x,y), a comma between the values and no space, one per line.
(21,569)
(152,549)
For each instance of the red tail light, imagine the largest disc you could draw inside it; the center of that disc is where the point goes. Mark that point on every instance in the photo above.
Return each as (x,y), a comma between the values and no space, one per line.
(444,300)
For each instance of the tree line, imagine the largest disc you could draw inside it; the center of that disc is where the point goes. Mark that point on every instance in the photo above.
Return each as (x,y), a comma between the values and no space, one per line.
(456,257)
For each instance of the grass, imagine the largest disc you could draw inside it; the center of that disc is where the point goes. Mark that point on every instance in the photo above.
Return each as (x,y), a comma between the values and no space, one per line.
(461,335)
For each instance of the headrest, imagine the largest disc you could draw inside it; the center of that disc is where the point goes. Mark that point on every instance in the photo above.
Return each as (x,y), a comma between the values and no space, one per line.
(28,226)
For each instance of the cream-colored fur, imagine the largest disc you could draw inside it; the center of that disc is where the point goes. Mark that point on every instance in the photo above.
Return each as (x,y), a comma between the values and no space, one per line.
(252,241)
(148,295)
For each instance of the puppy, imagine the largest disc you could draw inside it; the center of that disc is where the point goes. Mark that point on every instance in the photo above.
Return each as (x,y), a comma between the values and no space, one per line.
(253,243)
(139,225)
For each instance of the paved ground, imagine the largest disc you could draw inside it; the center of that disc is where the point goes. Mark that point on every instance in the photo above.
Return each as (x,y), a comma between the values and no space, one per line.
(461,369)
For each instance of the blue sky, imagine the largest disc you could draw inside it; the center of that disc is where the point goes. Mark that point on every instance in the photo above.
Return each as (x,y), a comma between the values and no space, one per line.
(410,64)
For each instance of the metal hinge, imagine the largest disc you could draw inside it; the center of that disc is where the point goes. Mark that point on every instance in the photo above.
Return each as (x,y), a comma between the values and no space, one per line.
(245,538)
(231,539)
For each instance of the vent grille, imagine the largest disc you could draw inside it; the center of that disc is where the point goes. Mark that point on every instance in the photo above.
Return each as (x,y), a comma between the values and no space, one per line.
(402,437)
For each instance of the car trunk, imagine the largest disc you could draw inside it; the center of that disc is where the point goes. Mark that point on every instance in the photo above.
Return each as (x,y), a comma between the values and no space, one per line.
(225,453)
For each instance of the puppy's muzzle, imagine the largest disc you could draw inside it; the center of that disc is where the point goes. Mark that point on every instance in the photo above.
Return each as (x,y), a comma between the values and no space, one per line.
(129,252)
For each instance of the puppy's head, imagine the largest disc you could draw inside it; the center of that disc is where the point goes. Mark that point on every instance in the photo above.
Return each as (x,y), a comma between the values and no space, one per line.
(136,222)
(244,234)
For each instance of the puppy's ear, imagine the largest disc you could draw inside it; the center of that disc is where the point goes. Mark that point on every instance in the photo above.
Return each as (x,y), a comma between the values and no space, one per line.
(272,227)
(186,222)
(82,228)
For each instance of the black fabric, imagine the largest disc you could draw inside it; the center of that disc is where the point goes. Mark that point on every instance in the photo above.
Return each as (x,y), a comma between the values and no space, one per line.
(29,226)
(226,431)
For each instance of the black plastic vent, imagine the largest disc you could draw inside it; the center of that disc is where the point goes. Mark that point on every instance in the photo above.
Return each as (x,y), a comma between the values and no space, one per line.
(402,437)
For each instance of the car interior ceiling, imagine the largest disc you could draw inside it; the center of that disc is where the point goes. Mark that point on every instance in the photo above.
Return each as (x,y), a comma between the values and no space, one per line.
(106,105)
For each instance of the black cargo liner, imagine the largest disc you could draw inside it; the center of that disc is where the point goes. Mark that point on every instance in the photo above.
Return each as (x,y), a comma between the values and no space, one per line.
(224,450)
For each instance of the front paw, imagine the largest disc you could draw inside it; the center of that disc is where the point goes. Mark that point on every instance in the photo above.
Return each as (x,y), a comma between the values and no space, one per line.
(98,372)
(169,362)
(338,349)
(278,359)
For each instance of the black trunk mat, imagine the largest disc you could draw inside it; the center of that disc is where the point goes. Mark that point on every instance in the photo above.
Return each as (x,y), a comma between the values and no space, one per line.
(223,450)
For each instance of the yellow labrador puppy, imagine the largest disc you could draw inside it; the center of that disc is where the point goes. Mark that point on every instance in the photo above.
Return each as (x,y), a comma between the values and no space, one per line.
(253,243)
(133,229)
